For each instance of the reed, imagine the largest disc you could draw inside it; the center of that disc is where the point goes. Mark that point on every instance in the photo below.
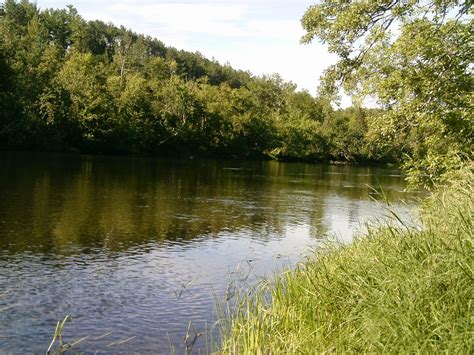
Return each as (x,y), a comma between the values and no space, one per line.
(58,336)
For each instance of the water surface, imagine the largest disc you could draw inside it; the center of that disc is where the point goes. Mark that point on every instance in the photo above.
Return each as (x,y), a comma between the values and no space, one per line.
(138,247)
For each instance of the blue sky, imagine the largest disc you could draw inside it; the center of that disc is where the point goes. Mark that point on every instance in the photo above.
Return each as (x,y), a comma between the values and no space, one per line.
(261,36)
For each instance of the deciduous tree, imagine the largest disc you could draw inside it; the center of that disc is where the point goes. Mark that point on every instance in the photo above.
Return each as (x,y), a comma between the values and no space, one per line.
(415,58)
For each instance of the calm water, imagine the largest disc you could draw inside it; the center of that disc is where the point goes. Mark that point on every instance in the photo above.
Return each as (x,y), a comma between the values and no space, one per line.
(138,247)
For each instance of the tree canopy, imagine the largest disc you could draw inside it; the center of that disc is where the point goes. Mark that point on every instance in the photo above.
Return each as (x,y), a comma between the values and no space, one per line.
(415,59)
(71,84)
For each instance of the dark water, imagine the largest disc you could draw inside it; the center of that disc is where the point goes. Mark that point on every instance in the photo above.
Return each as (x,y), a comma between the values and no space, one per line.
(138,247)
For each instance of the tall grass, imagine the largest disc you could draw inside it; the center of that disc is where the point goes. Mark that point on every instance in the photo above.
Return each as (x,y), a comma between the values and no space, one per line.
(397,289)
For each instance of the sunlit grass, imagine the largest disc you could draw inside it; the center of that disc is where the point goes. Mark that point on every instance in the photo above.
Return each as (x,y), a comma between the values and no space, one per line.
(58,336)
(397,289)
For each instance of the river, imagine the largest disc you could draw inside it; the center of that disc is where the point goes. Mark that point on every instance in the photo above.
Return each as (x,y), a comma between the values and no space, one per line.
(135,248)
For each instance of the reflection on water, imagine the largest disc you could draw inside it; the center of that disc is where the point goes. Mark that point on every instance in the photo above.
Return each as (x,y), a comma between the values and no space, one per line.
(139,246)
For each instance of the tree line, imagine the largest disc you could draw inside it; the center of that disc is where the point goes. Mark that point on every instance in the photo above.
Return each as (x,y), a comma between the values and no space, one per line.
(71,84)
(76,85)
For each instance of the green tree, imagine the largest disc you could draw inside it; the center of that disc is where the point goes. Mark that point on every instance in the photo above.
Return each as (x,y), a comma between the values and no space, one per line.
(415,58)
(83,78)
(10,112)
(177,112)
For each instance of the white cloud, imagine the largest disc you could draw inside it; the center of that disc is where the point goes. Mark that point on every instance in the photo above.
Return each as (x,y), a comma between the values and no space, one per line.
(218,20)
(275,29)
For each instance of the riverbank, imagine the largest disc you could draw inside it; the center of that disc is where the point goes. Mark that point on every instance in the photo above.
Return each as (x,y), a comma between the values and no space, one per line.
(394,289)
(191,155)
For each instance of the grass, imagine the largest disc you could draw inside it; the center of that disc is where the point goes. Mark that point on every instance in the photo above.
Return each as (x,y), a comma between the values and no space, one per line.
(396,289)
(58,335)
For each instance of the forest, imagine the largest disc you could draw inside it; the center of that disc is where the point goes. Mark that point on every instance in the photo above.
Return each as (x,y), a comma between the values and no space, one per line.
(67,84)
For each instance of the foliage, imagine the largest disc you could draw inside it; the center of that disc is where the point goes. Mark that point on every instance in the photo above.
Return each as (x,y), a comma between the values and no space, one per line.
(415,58)
(67,83)
(396,289)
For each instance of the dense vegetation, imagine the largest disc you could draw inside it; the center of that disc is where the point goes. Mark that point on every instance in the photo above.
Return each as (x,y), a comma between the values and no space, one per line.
(396,290)
(70,84)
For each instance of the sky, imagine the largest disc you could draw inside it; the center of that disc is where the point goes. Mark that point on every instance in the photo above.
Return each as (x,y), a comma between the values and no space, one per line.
(261,36)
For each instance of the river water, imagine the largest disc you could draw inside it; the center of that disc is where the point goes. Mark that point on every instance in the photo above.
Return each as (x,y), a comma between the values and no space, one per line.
(136,248)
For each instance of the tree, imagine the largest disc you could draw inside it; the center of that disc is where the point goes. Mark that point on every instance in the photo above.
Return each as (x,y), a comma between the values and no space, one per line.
(9,109)
(82,77)
(415,58)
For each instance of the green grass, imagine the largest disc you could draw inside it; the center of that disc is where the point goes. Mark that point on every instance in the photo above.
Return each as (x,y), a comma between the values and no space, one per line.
(393,290)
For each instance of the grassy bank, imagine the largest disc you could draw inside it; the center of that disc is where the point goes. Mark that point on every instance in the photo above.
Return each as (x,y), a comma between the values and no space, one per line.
(393,290)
